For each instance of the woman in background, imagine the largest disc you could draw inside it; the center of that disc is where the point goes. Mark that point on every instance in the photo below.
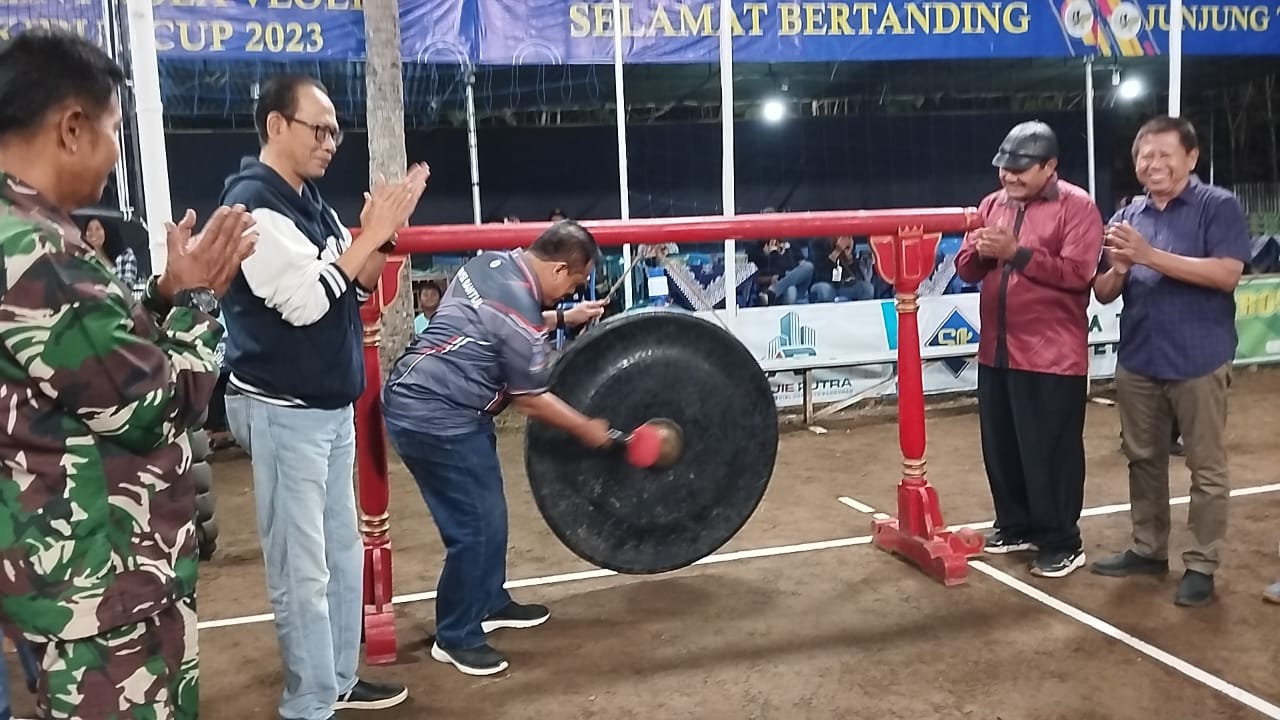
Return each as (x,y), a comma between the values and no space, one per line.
(112,251)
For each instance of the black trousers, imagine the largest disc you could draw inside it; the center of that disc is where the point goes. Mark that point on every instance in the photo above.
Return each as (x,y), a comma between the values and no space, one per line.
(216,419)
(1033,449)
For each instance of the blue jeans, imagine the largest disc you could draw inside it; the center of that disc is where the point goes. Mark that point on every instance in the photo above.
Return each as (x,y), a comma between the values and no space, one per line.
(824,292)
(793,288)
(461,481)
(303,465)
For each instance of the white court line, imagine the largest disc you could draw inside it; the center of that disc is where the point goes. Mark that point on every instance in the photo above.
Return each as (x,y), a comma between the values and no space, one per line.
(584,575)
(1195,673)
(713,559)
(863,508)
(1213,681)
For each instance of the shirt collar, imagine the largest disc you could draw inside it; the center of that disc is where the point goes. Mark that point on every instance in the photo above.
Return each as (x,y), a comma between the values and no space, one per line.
(1186,196)
(522,260)
(29,200)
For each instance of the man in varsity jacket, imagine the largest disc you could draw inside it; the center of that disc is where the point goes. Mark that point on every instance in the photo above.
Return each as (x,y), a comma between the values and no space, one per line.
(294,349)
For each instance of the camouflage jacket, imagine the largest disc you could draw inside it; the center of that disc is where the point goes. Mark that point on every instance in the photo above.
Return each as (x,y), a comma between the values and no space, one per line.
(96,521)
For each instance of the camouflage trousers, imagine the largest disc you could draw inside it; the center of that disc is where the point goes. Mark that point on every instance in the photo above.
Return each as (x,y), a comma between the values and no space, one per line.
(144,671)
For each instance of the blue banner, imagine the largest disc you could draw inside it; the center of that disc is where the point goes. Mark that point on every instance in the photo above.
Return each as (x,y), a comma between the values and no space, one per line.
(271,30)
(685,31)
(506,32)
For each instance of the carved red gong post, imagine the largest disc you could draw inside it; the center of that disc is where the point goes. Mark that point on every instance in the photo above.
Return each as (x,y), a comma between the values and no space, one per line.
(371,464)
(917,533)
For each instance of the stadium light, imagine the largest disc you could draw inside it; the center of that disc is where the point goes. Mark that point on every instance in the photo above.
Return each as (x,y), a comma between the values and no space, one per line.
(1131,89)
(774,110)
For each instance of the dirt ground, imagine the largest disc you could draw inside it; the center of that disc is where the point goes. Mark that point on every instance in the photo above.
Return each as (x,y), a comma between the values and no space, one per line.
(845,632)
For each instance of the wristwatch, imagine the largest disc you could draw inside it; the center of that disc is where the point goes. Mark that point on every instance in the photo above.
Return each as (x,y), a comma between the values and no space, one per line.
(202,299)
(559,318)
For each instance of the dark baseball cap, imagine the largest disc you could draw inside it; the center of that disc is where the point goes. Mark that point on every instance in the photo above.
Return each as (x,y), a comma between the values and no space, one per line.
(1027,144)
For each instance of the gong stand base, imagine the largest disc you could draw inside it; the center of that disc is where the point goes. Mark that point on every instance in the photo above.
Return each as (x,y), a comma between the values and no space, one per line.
(379,617)
(918,534)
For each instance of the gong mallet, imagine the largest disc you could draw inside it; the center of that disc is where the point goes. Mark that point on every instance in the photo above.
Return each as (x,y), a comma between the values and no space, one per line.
(622,278)
(656,444)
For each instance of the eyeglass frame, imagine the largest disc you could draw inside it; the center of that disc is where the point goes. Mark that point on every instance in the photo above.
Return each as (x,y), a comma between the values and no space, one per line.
(322,132)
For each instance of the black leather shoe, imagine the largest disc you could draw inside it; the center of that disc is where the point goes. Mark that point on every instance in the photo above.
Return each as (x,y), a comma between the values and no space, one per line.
(1130,563)
(1195,590)
(372,696)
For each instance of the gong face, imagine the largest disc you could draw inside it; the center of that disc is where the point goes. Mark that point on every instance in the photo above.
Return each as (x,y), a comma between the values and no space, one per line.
(638,367)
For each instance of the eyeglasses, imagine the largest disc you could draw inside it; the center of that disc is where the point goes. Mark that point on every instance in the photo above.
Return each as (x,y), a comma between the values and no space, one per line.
(322,132)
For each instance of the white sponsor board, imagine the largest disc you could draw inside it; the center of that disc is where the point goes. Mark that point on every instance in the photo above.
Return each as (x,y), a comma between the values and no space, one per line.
(863,335)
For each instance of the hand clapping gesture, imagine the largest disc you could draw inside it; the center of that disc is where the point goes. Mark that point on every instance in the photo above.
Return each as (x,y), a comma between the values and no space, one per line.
(212,258)
(387,206)
(1126,247)
(996,243)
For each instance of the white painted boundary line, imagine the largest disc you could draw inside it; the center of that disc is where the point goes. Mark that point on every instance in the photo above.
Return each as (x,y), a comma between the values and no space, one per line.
(863,508)
(1213,681)
(1176,663)
(584,575)
(724,557)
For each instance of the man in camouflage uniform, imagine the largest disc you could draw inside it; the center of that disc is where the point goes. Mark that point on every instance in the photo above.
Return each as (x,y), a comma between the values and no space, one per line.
(97,393)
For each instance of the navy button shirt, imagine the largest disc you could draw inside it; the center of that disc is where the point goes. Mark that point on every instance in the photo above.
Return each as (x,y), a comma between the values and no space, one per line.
(1171,330)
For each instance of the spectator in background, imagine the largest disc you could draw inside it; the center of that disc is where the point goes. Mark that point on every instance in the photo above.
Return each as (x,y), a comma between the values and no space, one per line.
(839,273)
(556,215)
(428,300)
(113,252)
(783,275)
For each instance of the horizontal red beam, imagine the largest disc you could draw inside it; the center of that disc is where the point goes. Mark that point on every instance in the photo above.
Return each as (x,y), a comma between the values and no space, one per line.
(711,228)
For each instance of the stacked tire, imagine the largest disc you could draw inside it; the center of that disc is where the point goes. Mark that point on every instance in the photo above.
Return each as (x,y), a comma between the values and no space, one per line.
(201,474)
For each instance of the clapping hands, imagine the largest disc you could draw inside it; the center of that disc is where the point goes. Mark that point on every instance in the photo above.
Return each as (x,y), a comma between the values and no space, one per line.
(387,206)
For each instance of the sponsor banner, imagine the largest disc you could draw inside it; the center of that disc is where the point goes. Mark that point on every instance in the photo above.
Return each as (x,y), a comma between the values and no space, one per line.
(1258,320)
(865,333)
(554,32)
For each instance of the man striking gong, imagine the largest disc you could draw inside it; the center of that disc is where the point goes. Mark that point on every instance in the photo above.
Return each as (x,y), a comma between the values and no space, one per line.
(486,347)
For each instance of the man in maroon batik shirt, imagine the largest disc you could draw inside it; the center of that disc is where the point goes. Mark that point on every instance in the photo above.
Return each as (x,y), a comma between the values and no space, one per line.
(1035,255)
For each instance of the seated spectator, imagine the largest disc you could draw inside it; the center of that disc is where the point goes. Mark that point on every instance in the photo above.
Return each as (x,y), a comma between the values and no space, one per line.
(838,273)
(783,276)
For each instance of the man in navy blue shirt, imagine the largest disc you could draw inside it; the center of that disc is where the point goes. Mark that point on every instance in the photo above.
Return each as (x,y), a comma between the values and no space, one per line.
(1176,255)
(486,347)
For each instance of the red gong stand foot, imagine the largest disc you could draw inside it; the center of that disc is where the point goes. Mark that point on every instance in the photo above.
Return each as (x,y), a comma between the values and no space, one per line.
(379,617)
(919,535)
